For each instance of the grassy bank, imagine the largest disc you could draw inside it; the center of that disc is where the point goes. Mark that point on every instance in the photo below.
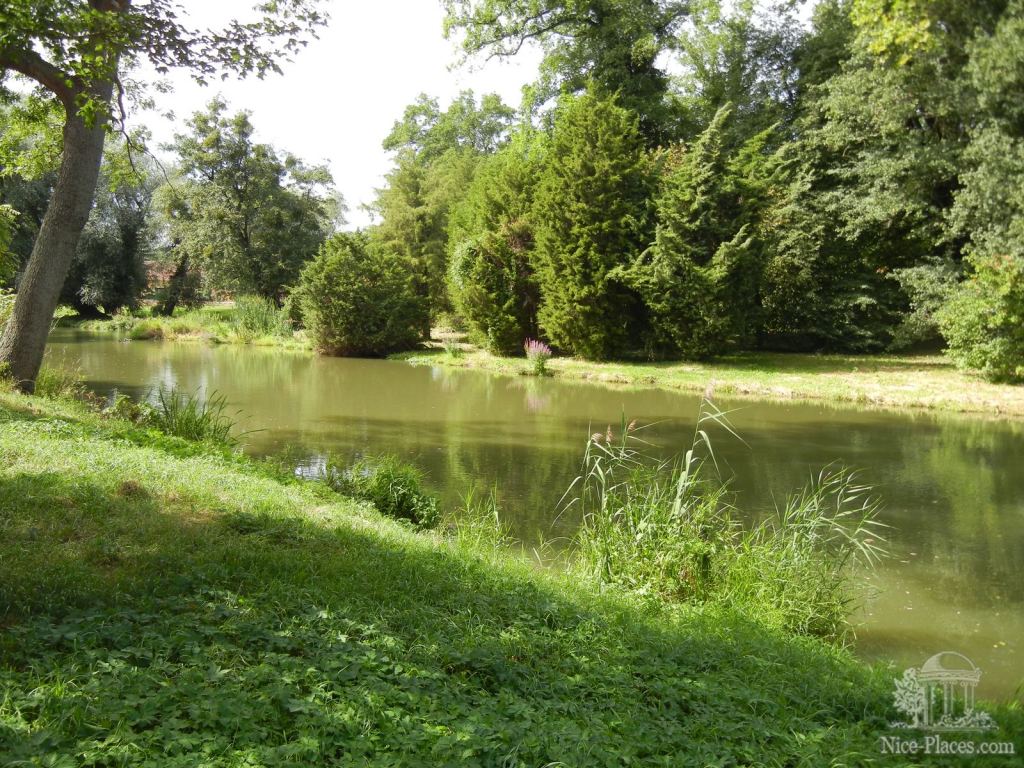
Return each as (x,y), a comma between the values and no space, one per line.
(165,603)
(874,381)
(879,381)
(212,323)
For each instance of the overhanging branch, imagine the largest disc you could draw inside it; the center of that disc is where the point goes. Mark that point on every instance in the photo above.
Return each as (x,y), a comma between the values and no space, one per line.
(32,65)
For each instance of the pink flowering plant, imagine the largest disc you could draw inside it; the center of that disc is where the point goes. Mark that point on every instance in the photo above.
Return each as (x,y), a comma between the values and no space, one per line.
(538,353)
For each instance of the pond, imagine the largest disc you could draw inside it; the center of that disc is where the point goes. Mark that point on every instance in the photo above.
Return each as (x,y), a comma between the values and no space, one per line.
(953,487)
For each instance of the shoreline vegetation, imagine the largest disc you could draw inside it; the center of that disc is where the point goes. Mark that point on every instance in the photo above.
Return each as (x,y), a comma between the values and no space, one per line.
(164,598)
(891,382)
(213,323)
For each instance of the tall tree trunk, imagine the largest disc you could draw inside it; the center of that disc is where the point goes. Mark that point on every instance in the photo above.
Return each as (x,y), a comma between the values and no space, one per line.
(175,288)
(24,338)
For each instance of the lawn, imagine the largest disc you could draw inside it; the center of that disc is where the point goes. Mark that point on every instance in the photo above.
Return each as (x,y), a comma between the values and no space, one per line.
(875,381)
(879,381)
(168,604)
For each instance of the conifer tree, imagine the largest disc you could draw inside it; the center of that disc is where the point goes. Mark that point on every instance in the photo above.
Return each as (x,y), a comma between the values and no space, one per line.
(698,280)
(490,278)
(591,219)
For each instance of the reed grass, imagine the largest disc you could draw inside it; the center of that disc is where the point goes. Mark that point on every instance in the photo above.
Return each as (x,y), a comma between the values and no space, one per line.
(669,529)
(393,486)
(192,417)
(256,317)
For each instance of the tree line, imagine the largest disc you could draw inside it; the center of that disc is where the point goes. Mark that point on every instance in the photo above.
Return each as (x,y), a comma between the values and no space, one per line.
(682,181)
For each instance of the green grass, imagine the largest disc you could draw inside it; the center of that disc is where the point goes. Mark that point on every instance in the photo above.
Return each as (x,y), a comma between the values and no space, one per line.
(876,381)
(668,529)
(252,322)
(168,603)
(192,416)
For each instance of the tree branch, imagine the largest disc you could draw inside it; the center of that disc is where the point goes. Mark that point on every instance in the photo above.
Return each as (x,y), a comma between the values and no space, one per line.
(31,64)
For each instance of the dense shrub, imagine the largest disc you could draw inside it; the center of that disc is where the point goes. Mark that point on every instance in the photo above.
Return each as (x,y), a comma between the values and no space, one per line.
(256,317)
(357,299)
(392,486)
(699,280)
(984,322)
(591,219)
(929,287)
(490,279)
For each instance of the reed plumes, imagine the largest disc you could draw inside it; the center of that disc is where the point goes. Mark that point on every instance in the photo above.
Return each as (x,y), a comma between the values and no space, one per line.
(668,528)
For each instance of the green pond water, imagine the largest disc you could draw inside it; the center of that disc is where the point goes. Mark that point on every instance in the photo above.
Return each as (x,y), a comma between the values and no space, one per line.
(953,487)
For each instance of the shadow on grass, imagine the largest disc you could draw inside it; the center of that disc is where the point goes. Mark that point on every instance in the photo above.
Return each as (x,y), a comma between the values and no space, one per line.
(151,627)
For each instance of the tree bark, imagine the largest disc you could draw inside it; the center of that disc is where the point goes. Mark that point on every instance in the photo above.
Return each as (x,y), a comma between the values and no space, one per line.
(175,288)
(24,338)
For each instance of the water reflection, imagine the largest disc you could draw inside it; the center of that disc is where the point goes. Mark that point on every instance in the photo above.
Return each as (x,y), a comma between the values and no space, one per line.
(953,490)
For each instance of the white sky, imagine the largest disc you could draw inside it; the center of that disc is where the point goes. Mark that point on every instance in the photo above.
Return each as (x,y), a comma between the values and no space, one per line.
(338,99)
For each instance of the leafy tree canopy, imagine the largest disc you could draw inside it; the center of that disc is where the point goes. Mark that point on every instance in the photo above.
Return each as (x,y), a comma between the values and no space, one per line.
(614,44)
(428,132)
(248,217)
(74,51)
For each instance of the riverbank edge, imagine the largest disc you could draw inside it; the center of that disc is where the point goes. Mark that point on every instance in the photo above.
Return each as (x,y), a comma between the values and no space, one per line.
(202,325)
(876,382)
(888,383)
(112,529)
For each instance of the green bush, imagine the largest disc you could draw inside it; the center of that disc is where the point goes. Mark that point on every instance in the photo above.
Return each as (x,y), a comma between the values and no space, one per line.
(392,486)
(123,321)
(667,529)
(123,407)
(929,287)
(256,317)
(490,279)
(357,300)
(145,330)
(984,322)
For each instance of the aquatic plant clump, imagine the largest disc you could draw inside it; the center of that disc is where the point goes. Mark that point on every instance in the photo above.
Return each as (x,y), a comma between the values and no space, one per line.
(394,487)
(669,529)
(192,417)
(538,353)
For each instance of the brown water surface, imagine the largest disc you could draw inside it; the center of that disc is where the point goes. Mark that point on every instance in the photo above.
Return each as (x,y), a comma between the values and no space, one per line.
(953,486)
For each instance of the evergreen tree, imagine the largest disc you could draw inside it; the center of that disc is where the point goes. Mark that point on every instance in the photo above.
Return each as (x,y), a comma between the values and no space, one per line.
(437,156)
(357,299)
(591,220)
(490,278)
(414,207)
(699,279)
